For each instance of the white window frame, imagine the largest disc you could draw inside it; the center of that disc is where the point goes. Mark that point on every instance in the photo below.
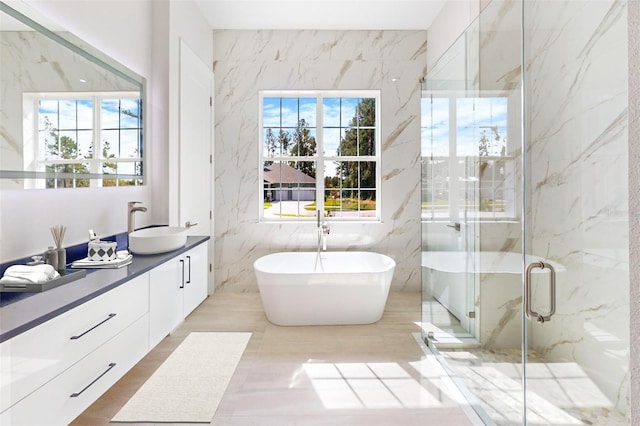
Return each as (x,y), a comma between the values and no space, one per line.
(32,158)
(320,158)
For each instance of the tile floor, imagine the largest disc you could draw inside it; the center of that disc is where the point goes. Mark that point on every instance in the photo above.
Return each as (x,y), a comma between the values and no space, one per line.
(335,375)
(558,393)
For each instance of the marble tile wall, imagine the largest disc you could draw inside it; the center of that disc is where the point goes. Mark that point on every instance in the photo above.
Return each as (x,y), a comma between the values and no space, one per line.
(248,61)
(577,120)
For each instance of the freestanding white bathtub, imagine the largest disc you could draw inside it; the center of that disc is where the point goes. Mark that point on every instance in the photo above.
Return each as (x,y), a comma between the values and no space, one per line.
(352,288)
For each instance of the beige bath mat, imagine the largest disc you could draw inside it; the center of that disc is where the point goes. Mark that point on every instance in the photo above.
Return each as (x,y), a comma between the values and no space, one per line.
(189,385)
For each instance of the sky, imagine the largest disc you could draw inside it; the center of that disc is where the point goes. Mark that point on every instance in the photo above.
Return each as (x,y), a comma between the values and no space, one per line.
(74,118)
(473,116)
(337,116)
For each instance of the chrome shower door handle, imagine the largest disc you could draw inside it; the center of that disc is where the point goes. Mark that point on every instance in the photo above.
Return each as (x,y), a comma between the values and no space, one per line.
(528,311)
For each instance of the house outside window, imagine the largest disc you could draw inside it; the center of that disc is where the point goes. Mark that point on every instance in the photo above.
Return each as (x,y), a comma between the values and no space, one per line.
(97,134)
(319,150)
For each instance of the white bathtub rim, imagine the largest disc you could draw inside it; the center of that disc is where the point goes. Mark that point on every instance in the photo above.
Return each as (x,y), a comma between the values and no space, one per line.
(389,263)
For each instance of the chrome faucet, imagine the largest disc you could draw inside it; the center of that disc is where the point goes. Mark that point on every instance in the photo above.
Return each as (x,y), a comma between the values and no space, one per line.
(323,231)
(131,209)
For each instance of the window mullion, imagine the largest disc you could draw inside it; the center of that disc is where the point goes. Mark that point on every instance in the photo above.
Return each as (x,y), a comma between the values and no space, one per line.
(319,154)
(97,141)
(453,159)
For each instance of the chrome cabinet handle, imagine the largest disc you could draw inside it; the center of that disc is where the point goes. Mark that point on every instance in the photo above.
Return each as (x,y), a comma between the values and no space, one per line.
(77,394)
(94,327)
(189,279)
(528,311)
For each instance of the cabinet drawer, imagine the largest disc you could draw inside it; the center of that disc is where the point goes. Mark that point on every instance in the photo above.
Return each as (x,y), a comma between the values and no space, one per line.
(64,398)
(31,359)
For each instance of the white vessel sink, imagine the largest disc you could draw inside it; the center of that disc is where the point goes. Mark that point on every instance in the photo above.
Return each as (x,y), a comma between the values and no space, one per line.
(157,240)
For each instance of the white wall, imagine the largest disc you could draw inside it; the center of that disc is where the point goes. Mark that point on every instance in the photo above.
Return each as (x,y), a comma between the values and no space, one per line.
(186,23)
(634,202)
(248,61)
(172,21)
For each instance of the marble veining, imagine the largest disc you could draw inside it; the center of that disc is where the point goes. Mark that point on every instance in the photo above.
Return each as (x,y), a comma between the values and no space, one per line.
(575,89)
(248,61)
(576,182)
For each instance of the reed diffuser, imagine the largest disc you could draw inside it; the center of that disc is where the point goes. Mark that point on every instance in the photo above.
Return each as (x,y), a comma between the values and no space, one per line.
(58,232)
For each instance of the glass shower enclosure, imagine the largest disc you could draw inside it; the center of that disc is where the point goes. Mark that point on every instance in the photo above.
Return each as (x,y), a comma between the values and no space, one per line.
(525,276)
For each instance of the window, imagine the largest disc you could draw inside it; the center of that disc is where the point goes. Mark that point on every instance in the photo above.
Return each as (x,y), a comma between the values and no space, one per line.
(320,151)
(466,169)
(95,133)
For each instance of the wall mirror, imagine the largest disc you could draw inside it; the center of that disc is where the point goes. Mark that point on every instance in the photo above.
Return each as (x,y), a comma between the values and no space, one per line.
(70,116)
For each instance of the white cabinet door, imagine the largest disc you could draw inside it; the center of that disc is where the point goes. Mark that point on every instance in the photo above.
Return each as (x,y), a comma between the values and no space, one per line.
(165,300)
(176,288)
(195,287)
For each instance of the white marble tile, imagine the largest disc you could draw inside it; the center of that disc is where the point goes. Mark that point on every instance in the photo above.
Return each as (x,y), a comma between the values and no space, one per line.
(576,91)
(248,61)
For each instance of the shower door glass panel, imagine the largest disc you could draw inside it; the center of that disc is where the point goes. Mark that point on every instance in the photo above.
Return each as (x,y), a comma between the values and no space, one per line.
(576,211)
(541,189)
(449,201)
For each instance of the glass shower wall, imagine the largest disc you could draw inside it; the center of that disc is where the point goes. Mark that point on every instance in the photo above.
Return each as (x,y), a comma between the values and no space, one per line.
(450,191)
(471,155)
(524,145)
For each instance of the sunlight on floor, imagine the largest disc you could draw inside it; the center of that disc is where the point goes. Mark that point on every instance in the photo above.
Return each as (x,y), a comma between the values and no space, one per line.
(559,393)
(377,385)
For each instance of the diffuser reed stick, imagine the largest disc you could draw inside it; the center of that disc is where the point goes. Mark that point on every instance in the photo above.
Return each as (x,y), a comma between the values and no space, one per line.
(58,232)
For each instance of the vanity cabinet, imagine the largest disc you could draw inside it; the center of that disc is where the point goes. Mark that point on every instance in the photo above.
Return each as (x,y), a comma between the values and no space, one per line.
(54,362)
(54,371)
(176,288)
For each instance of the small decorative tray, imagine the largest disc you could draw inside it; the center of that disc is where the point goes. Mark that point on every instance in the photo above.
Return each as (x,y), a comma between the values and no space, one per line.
(8,287)
(117,263)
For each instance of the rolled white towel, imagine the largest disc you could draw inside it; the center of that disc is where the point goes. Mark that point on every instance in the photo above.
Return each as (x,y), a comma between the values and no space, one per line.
(31,273)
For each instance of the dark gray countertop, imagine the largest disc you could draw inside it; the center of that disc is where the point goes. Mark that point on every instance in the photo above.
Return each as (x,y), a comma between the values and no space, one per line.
(28,312)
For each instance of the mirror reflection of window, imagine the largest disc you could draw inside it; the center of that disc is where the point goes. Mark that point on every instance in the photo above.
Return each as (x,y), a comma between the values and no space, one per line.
(80,134)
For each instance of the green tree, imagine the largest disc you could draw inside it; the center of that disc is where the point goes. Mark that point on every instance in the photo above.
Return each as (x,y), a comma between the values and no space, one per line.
(271,144)
(304,145)
(276,145)
(63,148)
(359,140)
